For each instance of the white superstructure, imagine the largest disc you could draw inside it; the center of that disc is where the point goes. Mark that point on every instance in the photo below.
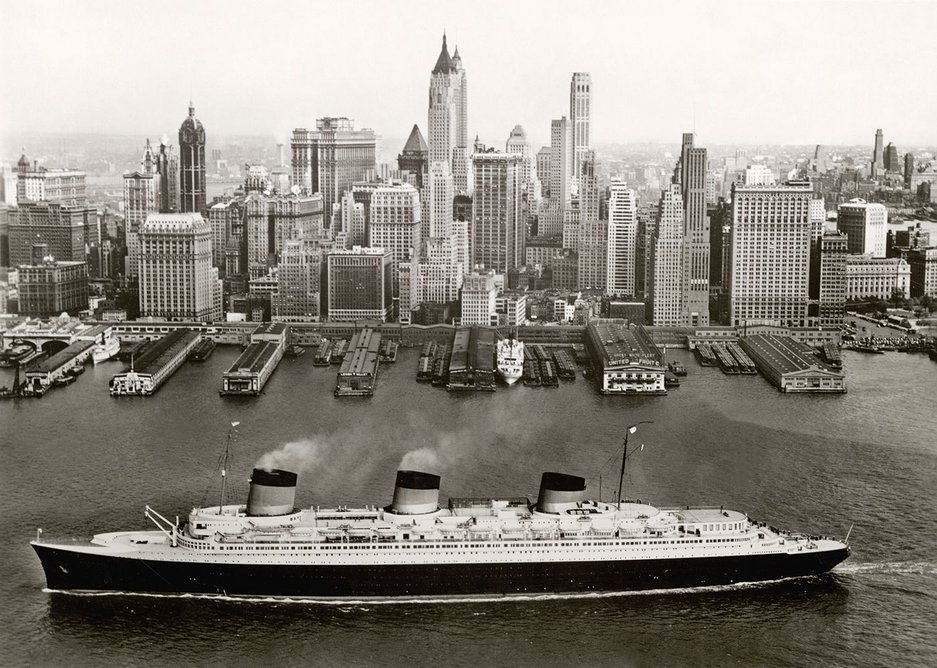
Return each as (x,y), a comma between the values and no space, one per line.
(510,360)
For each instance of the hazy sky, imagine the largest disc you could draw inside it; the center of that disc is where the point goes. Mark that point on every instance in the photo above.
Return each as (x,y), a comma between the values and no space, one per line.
(748,71)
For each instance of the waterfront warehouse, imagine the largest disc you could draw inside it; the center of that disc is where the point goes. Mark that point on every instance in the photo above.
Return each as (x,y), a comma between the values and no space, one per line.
(157,363)
(358,373)
(790,365)
(625,359)
(72,357)
(253,368)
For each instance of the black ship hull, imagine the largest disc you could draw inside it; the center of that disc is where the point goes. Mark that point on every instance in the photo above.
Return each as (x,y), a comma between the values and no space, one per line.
(70,570)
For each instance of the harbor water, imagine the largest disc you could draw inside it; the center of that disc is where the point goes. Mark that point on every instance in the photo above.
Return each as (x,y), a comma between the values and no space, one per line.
(78,461)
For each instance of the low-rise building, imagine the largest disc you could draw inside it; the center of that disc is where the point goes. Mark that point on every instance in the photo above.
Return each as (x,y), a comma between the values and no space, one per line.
(870,277)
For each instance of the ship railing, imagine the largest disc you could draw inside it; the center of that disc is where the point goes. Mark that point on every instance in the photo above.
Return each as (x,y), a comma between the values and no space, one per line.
(43,538)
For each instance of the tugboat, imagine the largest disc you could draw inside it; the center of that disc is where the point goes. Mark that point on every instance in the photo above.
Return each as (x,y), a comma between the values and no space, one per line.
(503,546)
(676,369)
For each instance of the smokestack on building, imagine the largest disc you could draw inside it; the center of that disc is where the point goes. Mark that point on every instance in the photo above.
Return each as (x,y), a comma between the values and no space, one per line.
(559,492)
(415,493)
(272,493)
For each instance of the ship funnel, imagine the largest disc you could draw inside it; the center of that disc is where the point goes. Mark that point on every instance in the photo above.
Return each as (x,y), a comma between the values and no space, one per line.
(415,493)
(559,492)
(272,493)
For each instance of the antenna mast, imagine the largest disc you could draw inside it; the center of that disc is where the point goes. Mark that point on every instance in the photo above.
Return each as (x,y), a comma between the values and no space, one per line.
(624,455)
(224,466)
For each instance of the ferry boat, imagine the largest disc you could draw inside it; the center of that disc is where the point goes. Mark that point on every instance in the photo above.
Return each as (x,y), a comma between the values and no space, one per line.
(510,360)
(105,350)
(413,547)
(15,354)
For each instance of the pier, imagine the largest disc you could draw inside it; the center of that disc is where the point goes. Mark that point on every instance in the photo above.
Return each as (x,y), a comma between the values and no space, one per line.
(62,368)
(472,365)
(158,362)
(358,374)
(248,375)
(625,359)
(792,366)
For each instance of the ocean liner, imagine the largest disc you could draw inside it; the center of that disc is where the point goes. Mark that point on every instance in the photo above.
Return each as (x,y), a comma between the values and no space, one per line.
(413,548)
(510,362)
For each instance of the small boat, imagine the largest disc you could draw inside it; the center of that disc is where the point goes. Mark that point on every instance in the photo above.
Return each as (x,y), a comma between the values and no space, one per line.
(677,369)
(671,380)
(295,351)
(869,348)
(202,351)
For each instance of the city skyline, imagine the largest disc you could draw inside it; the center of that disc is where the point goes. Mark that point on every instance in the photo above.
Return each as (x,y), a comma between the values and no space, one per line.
(663,68)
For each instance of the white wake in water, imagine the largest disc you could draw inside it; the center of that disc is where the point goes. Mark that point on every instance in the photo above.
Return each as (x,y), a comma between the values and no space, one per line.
(360,602)
(888,568)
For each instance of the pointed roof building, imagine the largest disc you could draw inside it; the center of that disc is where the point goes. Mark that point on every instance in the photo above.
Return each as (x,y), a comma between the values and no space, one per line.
(415,155)
(444,64)
(416,143)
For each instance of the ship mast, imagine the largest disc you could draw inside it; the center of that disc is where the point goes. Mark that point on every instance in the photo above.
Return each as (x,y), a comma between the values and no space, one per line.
(624,455)
(224,466)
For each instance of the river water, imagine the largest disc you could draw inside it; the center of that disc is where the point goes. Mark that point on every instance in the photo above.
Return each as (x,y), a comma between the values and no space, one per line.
(78,462)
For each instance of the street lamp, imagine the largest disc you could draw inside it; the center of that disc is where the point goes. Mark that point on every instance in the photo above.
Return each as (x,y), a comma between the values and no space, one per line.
(624,455)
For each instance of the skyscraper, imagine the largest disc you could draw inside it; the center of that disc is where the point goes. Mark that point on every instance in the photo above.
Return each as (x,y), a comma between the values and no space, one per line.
(48,288)
(298,274)
(561,161)
(878,154)
(192,192)
(580,118)
(593,255)
(177,281)
(330,159)
(527,169)
(141,198)
(415,156)
(771,235)
(622,238)
(395,225)
(65,229)
(272,220)
(447,126)
(891,158)
(498,232)
(167,166)
(665,249)
(832,250)
(865,224)
(588,188)
(359,284)
(695,234)
(908,169)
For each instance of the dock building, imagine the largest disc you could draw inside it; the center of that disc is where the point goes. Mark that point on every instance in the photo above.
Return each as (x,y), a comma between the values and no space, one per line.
(253,368)
(790,365)
(157,363)
(472,364)
(69,360)
(358,374)
(625,359)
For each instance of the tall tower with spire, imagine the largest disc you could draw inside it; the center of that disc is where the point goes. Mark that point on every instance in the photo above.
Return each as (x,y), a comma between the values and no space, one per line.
(448,115)
(580,119)
(192,164)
